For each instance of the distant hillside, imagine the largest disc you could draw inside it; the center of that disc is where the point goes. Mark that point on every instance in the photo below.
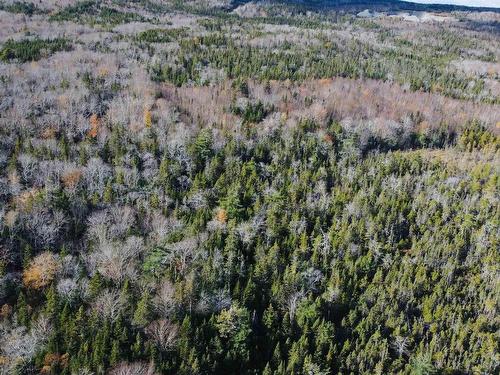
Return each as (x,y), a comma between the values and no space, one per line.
(379,5)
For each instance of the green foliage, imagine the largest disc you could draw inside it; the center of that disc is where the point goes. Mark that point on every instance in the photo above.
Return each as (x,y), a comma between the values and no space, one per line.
(300,272)
(202,148)
(94,12)
(27,8)
(422,365)
(32,49)
(278,247)
(159,35)
(155,262)
(142,311)
(233,326)
(252,113)
(476,137)
(421,66)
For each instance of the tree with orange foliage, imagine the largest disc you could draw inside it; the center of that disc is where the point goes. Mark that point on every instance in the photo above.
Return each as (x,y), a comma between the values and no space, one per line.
(71,178)
(94,125)
(41,271)
(221,215)
(51,360)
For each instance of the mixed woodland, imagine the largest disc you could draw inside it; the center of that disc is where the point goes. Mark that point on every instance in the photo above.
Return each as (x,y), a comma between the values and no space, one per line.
(232,187)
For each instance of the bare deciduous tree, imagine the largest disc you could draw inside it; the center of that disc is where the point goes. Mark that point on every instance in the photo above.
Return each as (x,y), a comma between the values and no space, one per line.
(44,225)
(213,302)
(96,174)
(108,305)
(162,226)
(163,333)
(19,346)
(116,260)
(164,300)
(135,368)
(111,224)
(293,301)
(400,345)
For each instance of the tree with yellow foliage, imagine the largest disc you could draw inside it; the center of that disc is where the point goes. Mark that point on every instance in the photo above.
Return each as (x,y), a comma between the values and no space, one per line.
(148,121)
(41,271)
(221,216)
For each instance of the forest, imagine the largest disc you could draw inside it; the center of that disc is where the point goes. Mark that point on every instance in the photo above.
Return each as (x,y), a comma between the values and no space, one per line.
(249,187)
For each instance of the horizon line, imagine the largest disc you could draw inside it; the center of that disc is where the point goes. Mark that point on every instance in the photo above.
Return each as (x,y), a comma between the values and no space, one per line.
(463,3)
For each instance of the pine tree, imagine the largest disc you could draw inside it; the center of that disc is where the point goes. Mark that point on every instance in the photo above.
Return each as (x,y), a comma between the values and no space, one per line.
(142,310)
(22,310)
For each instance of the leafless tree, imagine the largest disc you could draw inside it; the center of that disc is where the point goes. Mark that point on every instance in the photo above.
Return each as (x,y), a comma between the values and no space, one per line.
(44,225)
(216,225)
(19,345)
(14,183)
(108,305)
(131,177)
(29,167)
(116,260)
(182,253)
(325,246)
(96,174)
(135,368)
(97,226)
(70,265)
(163,333)
(293,301)
(297,227)
(164,301)
(196,201)
(110,224)
(162,226)
(149,166)
(68,289)
(400,345)
(311,279)
(213,302)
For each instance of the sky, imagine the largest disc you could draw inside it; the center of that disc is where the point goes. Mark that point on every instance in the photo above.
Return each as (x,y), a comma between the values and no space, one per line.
(475,3)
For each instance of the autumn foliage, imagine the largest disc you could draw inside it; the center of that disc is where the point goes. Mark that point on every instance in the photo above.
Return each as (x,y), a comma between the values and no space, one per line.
(71,178)
(54,359)
(221,215)
(95,124)
(147,118)
(248,187)
(41,271)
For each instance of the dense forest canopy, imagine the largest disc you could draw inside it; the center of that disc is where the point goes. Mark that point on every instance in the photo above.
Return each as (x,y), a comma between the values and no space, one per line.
(234,187)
